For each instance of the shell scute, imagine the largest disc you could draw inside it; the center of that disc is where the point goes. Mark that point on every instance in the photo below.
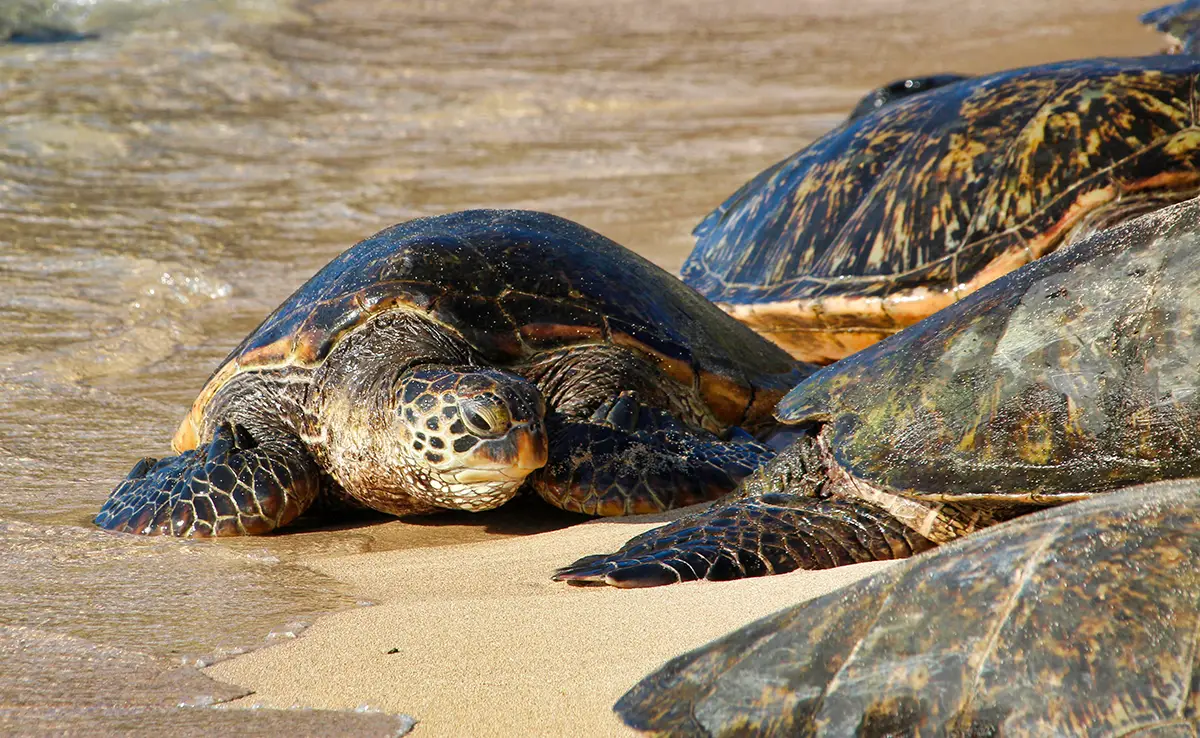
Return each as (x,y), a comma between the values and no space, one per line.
(1080,619)
(1074,373)
(945,176)
(511,283)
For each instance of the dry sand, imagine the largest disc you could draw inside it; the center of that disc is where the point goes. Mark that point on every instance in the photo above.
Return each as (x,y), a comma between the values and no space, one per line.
(475,640)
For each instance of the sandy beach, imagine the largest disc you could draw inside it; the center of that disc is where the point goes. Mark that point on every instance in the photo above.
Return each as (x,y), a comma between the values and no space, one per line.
(175,175)
(477,640)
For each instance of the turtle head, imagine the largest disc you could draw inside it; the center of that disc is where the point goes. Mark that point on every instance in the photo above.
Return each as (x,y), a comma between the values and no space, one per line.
(470,435)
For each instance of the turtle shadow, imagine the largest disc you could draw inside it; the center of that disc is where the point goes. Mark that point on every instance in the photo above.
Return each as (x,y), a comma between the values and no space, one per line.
(520,516)
(524,515)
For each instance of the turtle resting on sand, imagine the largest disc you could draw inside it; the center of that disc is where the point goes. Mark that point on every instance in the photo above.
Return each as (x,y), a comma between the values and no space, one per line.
(447,361)
(896,214)
(1082,620)
(1070,377)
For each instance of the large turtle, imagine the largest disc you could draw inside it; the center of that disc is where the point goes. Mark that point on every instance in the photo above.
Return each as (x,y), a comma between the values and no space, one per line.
(895,214)
(1082,620)
(1070,377)
(440,362)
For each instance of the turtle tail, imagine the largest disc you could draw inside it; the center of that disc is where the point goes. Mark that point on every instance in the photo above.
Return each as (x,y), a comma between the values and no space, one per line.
(237,485)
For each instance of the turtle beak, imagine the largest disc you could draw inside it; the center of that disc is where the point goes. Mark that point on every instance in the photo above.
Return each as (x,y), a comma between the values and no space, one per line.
(518,452)
(532,448)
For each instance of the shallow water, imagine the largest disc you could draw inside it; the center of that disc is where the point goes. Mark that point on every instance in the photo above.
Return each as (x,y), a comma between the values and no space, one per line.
(166,183)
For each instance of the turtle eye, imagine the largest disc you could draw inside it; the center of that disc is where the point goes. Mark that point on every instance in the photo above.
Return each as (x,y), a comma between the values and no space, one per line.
(485,417)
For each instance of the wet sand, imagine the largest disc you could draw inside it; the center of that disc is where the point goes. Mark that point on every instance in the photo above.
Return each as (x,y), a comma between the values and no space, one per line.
(475,640)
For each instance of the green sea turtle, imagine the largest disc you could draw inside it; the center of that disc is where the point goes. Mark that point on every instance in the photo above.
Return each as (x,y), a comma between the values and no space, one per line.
(447,361)
(1082,620)
(1075,375)
(895,214)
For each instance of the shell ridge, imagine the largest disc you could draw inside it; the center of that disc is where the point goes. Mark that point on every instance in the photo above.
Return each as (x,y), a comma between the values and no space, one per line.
(1015,228)
(988,196)
(835,247)
(880,609)
(1031,565)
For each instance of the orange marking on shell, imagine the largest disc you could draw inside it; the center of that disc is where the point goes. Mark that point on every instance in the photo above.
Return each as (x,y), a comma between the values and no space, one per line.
(188,435)
(826,329)
(821,336)
(279,353)
(541,333)
(726,398)
(1171,181)
(680,371)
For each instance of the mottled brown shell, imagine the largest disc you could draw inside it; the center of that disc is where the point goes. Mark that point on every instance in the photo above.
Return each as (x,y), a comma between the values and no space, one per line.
(1081,620)
(894,215)
(513,284)
(1075,374)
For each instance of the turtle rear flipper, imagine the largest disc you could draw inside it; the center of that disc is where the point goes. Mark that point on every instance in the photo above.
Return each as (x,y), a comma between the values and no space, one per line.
(631,459)
(237,485)
(767,534)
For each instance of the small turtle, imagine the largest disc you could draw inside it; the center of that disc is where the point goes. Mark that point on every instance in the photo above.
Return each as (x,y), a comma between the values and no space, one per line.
(440,362)
(1083,620)
(1072,376)
(896,214)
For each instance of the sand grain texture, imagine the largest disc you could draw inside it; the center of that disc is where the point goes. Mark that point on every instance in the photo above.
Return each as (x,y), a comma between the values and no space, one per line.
(485,644)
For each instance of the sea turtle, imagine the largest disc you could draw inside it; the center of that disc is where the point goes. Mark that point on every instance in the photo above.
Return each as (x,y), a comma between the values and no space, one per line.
(440,362)
(1082,620)
(1072,376)
(895,214)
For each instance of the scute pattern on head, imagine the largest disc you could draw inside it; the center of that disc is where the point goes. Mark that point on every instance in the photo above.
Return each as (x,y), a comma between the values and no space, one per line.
(1067,376)
(512,284)
(928,192)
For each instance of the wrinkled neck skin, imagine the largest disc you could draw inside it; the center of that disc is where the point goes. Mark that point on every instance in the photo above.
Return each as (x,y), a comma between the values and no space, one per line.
(1123,209)
(366,449)
(799,470)
(808,468)
(354,430)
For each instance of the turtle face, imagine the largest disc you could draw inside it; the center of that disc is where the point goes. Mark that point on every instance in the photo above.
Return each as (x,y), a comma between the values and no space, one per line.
(470,435)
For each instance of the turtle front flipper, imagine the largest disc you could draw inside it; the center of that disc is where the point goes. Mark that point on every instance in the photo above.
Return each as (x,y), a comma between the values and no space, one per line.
(237,485)
(752,537)
(631,459)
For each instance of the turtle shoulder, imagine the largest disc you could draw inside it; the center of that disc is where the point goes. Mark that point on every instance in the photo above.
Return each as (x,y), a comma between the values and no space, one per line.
(1079,618)
(513,284)
(1076,372)
(930,190)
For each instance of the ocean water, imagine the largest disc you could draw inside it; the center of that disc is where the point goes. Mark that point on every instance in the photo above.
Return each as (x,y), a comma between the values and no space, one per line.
(172,169)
